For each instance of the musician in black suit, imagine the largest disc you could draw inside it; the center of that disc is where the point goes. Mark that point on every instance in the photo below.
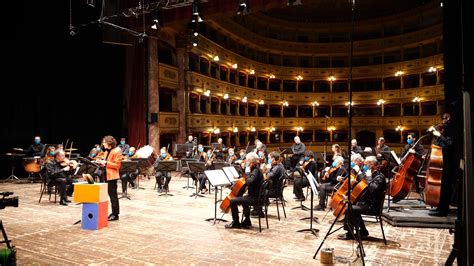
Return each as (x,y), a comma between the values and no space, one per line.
(355,149)
(309,166)
(253,181)
(274,175)
(370,202)
(298,150)
(35,149)
(220,148)
(59,176)
(418,150)
(331,177)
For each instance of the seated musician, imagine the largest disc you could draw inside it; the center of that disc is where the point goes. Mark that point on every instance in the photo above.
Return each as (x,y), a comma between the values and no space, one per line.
(418,150)
(261,155)
(274,175)
(124,147)
(231,158)
(94,152)
(241,157)
(131,176)
(298,150)
(253,181)
(355,149)
(357,169)
(220,148)
(210,157)
(35,149)
(160,176)
(309,166)
(259,146)
(370,202)
(49,155)
(336,149)
(58,174)
(331,176)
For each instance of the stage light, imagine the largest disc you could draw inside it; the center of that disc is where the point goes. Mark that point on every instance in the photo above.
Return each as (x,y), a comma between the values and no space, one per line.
(195,42)
(156,23)
(243,7)
(91,3)
(351,103)
(196,17)
(253,129)
(216,131)
(416,99)
(299,129)
(432,69)
(272,129)
(195,34)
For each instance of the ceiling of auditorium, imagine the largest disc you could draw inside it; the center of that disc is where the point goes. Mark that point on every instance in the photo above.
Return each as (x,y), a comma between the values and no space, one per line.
(323,11)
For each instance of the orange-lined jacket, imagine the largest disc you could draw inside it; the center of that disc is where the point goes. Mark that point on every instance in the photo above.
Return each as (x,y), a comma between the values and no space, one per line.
(114,162)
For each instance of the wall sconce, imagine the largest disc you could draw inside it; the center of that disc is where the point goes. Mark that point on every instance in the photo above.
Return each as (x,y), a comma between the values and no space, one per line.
(315,103)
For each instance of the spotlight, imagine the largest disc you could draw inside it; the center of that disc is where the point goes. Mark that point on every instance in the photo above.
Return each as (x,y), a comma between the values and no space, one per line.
(243,7)
(196,17)
(294,2)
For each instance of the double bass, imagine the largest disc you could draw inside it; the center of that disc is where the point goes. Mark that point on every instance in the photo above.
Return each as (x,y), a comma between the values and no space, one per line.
(434,173)
(238,190)
(401,184)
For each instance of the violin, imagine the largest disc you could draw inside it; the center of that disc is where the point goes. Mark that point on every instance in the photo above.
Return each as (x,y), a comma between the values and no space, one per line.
(71,163)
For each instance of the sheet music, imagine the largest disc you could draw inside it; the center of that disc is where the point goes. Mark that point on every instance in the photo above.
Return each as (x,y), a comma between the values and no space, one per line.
(396,157)
(217,177)
(314,184)
(231,172)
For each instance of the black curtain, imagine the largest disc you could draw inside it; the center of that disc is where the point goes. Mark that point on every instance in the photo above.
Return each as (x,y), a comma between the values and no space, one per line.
(56,85)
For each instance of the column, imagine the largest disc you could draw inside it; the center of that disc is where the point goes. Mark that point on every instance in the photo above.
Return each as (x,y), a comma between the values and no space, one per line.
(246,109)
(314,135)
(438,79)
(281,137)
(402,84)
(267,111)
(297,111)
(153,92)
(198,104)
(227,107)
(437,108)
(238,108)
(182,62)
(281,110)
(383,109)
(401,109)
(208,105)
(330,111)
(246,137)
(219,106)
(421,80)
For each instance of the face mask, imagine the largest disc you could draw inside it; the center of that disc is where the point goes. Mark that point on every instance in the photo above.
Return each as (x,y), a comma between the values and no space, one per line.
(260,155)
(98,149)
(353,164)
(163,155)
(409,141)
(131,153)
(52,153)
(306,158)
(231,153)
(334,164)
(122,142)
(37,141)
(365,168)
(93,155)
(269,161)
(209,155)
(200,149)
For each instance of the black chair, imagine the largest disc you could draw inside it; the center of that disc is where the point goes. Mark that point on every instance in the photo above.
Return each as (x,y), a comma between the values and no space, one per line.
(278,197)
(261,202)
(46,188)
(378,216)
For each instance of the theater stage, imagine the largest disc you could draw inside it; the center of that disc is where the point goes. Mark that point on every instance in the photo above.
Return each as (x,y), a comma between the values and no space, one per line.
(173,230)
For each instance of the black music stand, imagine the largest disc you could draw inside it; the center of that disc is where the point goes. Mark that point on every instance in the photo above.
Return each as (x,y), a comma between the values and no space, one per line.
(184,163)
(314,190)
(89,167)
(197,168)
(127,167)
(220,165)
(166,166)
(13,155)
(184,150)
(217,178)
(142,166)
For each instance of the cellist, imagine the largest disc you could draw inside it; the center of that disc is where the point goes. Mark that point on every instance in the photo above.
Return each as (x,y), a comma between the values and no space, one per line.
(253,181)
(445,133)
(370,202)
(332,175)
(418,150)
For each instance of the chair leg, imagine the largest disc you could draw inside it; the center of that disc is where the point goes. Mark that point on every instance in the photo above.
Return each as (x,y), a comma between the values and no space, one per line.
(266,214)
(278,210)
(383,234)
(43,186)
(259,223)
(283,205)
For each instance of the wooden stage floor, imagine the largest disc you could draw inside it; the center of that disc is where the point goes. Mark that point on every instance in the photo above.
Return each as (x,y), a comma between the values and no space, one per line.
(173,230)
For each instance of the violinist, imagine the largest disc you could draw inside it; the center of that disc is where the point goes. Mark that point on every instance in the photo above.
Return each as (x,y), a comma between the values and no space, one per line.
(131,176)
(49,155)
(94,152)
(261,156)
(309,166)
(298,150)
(59,175)
(445,133)
(160,176)
(355,149)
(112,164)
(231,158)
(370,202)
(253,181)
(274,175)
(418,150)
(209,162)
(331,176)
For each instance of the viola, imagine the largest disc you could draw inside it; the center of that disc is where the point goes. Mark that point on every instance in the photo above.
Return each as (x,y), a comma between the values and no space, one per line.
(238,190)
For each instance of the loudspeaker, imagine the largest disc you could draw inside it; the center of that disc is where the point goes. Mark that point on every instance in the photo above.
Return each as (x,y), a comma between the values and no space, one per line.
(153,118)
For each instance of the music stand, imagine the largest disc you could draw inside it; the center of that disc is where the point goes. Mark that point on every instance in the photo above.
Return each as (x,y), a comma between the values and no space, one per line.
(183,149)
(216,178)
(314,190)
(220,165)
(197,168)
(127,167)
(89,167)
(13,155)
(142,166)
(167,166)
(184,163)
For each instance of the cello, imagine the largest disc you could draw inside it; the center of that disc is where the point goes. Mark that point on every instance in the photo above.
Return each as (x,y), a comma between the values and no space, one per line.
(401,184)
(434,172)
(338,200)
(237,190)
